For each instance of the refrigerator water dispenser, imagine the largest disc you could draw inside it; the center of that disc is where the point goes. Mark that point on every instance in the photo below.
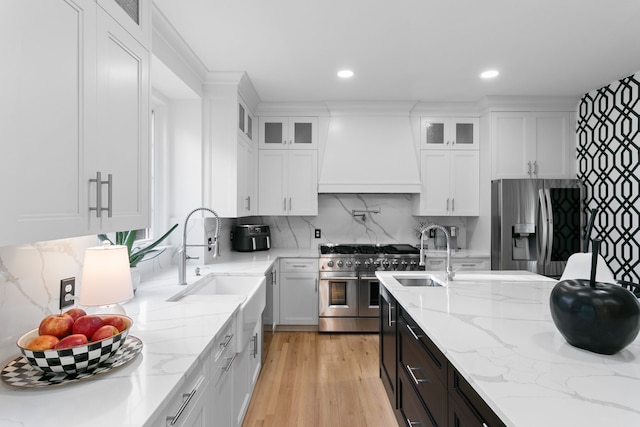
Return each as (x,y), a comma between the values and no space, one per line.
(523,238)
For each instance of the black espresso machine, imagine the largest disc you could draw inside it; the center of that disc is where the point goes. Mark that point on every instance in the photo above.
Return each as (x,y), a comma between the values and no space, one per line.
(249,238)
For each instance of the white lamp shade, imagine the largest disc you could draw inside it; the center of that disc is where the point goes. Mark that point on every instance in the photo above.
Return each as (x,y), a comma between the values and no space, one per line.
(106,276)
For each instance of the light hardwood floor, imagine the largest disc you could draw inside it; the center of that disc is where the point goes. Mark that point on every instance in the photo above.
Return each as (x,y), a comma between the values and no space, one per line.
(317,380)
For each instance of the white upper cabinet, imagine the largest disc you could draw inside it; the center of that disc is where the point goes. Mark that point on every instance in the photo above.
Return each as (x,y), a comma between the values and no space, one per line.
(122,140)
(288,182)
(230,160)
(450,183)
(133,15)
(451,133)
(533,145)
(284,133)
(75,103)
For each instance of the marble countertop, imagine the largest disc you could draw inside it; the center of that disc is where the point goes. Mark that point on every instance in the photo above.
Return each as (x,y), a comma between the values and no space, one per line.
(174,334)
(496,329)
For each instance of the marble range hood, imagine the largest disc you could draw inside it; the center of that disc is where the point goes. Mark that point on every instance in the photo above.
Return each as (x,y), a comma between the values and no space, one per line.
(370,149)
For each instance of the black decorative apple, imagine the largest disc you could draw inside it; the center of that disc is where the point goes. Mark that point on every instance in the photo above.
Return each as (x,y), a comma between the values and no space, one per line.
(600,317)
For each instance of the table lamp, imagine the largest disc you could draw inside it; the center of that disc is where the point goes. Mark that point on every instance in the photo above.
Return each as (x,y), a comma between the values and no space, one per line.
(106,278)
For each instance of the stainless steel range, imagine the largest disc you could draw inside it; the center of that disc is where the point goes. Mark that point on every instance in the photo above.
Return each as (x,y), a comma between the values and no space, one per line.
(349,290)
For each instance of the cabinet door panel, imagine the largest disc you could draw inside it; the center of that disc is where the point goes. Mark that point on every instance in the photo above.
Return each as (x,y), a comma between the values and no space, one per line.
(465,133)
(434,133)
(435,182)
(274,132)
(465,187)
(554,147)
(303,182)
(298,299)
(303,133)
(48,93)
(272,171)
(123,125)
(510,150)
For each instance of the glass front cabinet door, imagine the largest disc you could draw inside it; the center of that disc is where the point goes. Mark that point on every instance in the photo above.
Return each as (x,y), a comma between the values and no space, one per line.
(283,133)
(449,133)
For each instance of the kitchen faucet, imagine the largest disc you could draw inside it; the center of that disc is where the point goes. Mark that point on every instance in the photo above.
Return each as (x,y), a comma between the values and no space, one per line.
(182,261)
(423,254)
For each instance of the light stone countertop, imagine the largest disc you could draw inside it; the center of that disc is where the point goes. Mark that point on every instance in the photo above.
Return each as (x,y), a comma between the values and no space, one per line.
(173,334)
(496,329)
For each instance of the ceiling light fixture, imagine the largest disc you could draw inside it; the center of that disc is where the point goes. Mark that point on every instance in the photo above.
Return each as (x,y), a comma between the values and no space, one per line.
(345,74)
(489,74)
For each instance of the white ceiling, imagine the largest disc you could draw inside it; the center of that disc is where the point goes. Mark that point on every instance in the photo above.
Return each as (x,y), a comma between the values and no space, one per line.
(417,50)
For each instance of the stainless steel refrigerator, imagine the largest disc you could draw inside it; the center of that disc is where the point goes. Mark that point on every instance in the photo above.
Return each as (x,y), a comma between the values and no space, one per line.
(536,224)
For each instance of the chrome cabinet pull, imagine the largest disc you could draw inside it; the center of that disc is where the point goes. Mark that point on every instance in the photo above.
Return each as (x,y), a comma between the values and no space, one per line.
(453,204)
(535,167)
(413,376)
(391,322)
(284,206)
(447,204)
(529,168)
(413,423)
(289,203)
(99,183)
(413,333)
(316,285)
(230,359)
(248,200)
(172,420)
(226,343)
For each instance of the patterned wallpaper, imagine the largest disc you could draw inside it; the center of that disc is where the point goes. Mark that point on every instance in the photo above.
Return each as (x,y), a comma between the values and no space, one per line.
(609,165)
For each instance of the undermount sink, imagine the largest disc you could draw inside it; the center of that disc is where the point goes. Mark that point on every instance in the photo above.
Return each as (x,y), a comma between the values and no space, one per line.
(422,280)
(253,288)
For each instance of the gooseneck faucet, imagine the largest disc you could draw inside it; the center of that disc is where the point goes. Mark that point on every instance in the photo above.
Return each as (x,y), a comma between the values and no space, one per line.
(182,261)
(423,254)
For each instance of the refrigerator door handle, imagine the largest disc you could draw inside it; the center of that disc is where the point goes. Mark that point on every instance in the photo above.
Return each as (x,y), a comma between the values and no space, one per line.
(542,250)
(550,222)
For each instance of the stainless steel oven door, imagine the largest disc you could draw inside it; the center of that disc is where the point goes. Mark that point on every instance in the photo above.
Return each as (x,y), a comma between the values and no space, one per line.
(368,296)
(338,296)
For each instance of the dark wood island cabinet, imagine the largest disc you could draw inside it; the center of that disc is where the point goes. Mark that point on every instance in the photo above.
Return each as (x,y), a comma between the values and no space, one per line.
(423,387)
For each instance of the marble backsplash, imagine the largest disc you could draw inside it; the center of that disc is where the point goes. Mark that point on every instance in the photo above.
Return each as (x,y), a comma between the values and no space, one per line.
(393,224)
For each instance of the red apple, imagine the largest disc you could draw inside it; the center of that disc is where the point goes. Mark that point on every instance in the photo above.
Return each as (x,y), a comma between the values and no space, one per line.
(116,321)
(58,325)
(72,340)
(106,331)
(87,325)
(42,342)
(75,313)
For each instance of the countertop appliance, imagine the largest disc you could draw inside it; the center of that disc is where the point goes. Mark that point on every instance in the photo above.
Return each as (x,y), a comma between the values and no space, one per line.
(248,238)
(349,291)
(536,224)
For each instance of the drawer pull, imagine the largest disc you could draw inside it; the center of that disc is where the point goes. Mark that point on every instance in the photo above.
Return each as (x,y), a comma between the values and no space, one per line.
(172,420)
(226,343)
(413,423)
(230,359)
(413,376)
(391,322)
(413,333)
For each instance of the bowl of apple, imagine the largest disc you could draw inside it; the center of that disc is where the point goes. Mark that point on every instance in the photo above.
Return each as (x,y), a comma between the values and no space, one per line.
(74,341)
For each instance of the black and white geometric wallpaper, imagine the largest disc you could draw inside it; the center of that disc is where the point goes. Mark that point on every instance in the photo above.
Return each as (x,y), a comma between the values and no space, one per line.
(608,131)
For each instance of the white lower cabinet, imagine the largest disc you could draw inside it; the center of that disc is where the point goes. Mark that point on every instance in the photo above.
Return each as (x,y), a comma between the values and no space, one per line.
(298,291)
(223,369)
(245,375)
(458,264)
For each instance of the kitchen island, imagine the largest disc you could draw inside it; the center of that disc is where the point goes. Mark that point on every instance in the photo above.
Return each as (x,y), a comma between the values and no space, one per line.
(495,328)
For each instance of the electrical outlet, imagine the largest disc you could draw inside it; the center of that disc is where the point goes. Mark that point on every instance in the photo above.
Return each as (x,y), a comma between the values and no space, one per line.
(432,233)
(318,233)
(67,292)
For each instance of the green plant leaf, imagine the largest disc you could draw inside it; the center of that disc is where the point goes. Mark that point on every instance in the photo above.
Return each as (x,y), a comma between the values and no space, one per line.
(136,255)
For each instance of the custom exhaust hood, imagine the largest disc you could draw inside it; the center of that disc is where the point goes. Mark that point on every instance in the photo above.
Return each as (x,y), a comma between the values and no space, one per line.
(370,151)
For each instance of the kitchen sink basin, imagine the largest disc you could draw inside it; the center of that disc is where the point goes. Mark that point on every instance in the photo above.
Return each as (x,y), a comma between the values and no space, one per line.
(423,280)
(253,288)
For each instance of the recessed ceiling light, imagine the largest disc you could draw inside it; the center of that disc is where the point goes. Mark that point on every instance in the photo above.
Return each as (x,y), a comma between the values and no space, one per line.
(345,74)
(489,74)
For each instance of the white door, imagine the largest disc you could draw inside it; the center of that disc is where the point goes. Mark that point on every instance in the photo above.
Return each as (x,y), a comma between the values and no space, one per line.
(272,172)
(303,183)
(298,299)
(434,196)
(303,133)
(123,114)
(47,82)
(555,149)
(465,183)
(464,133)
(510,150)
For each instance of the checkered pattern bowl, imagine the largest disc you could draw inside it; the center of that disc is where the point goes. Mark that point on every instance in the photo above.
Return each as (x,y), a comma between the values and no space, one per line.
(75,359)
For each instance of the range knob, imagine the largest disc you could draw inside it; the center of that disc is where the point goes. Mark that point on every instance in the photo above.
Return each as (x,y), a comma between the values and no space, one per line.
(357,263)
(330,264)
(349,263)
(367,263)
(385,264)
(340,263)
(404,265)
(394,265)
(376,263)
